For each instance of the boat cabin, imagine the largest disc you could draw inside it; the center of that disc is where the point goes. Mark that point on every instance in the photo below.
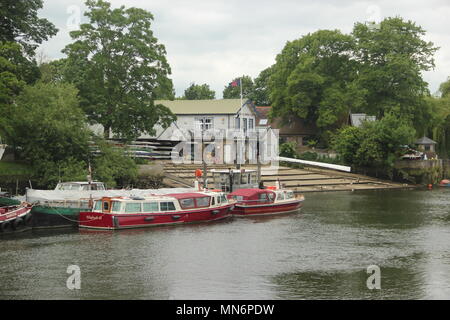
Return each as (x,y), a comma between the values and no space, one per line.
(80,186)
(160,203)
(233,179)
(261,196)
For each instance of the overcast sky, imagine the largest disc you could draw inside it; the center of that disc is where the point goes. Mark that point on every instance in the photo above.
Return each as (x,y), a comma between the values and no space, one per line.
(215,41)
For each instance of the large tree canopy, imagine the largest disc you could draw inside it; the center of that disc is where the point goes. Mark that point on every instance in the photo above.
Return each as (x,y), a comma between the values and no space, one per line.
(19,23)
(392,58)
(313,78)
(120,69)
(260,93)
(199,92)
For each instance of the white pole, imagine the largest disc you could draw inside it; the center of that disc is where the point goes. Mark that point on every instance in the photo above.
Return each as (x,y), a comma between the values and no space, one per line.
(240,84)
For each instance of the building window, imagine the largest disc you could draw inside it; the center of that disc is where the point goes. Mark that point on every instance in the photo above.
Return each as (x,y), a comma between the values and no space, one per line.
(204,123)
(251,124)
(238,123)
(245,124)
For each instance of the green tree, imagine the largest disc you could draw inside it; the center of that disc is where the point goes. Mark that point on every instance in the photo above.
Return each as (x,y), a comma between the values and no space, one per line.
(15,72)
(234,92)
(260,93)
(313,79)
(112,166)
(120,69)
(444,88)
(47,124)
(199,92)
(20,23)
(392,58)
(375,144)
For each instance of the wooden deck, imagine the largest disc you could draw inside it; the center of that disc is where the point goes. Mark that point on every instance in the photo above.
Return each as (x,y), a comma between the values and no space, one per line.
(301,180)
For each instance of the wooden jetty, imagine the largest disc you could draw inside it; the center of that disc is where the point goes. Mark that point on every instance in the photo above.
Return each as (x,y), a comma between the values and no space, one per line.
(309,179)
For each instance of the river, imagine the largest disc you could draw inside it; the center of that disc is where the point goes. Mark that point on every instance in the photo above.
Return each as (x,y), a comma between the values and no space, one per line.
(320,253)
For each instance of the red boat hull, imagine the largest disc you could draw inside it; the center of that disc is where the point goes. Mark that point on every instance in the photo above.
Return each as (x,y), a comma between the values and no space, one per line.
(98,220)
(242,210)
(14,218)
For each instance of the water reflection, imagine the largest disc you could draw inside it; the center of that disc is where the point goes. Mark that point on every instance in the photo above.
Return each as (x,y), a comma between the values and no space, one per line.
(320,253)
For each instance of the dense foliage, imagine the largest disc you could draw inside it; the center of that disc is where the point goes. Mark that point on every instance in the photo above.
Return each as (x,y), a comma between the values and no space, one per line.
(120,69)
(199,92)
(375,144)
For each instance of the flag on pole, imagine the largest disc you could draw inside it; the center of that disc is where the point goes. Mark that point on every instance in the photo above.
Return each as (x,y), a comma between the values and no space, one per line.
(236,83)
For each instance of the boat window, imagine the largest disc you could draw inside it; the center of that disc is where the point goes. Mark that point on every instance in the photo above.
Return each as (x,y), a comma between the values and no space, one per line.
(289,195)
(202,202)
(133,207)
(150,206)
(167,206)
(263,196)
(213,200)
(106,205)
(223,198)
(116,205)
(187,203)
(271,196)
(238,198)
(280,196)
(98,206)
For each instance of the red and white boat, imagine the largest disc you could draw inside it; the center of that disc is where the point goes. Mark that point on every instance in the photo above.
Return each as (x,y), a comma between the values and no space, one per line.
(261,202)
(15,218)
(156,210)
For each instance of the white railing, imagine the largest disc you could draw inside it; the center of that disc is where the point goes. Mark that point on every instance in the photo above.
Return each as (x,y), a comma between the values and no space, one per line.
(317,164)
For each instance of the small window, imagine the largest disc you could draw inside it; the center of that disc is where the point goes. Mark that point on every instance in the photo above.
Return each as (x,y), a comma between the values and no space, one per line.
(271,196)
(150,206)
(280,196)
(238,198)
(213,201)
(116,205)
(133,207)
(98,206)
(202,202)
(106,205)
(187,203)
(263,196)
(167,206)
(224,199)
(289,195)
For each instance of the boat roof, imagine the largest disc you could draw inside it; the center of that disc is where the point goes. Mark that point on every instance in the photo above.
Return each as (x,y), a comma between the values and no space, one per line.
(249,192)
(188,195)
(80,182)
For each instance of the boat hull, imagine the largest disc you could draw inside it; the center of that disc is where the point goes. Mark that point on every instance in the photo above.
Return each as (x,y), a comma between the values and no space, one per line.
(98,220)
(15,219)
(55,217)
(242,210)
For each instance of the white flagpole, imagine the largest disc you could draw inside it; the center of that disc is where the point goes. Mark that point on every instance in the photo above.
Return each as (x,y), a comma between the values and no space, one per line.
(240,84)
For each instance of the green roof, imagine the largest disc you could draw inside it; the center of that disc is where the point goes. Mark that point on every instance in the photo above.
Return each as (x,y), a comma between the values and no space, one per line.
(222,106)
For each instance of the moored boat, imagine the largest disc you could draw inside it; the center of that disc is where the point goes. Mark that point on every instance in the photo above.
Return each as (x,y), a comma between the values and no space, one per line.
(261,202)
(15,218)
(156,210)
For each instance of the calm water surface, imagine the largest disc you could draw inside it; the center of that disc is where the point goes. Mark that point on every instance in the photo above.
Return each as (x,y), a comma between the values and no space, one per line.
(320,253)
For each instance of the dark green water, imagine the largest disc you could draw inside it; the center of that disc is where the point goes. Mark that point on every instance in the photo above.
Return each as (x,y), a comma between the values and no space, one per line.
(320,253)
